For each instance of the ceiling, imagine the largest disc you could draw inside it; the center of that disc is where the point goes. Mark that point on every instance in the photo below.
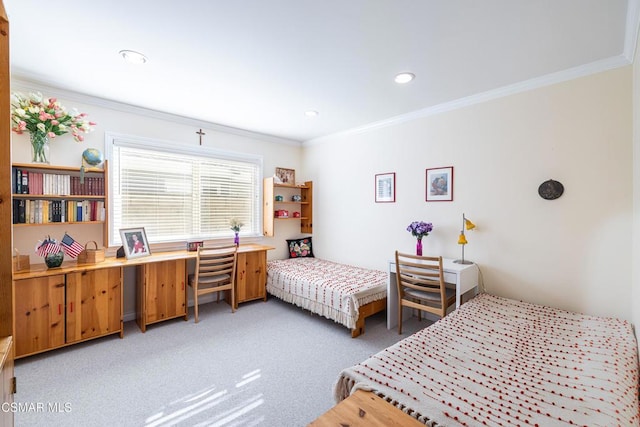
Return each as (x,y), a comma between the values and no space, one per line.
(258,65)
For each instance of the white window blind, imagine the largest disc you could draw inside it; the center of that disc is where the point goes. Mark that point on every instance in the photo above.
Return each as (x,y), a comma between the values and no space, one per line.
(181,194)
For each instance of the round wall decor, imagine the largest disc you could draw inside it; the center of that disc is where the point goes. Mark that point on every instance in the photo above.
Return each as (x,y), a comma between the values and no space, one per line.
(550,190)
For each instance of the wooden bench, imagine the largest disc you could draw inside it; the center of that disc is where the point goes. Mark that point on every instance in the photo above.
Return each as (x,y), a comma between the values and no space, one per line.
(365,409)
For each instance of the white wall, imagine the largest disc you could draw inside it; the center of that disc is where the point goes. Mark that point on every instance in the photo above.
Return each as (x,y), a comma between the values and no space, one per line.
(572,253)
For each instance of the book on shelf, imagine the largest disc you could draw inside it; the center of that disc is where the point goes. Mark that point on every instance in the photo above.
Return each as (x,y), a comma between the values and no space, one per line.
(56,211)
(31,211)
(17,184)
(25,182)
(19,211)
(40,211)
(38,183)
(53,211)
(71,211)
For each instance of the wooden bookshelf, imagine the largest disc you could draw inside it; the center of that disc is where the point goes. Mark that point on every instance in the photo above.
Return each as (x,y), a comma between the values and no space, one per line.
(271,205)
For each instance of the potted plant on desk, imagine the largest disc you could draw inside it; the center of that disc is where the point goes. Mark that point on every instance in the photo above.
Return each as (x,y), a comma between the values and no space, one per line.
(236,224)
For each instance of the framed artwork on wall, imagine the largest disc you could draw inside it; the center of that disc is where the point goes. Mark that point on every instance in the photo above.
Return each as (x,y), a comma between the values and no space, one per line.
(439,186)
(286,176)
(386,187)
(134,242)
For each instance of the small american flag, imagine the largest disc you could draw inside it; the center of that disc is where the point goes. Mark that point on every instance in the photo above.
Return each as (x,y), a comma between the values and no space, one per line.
(47,247)
(70,246)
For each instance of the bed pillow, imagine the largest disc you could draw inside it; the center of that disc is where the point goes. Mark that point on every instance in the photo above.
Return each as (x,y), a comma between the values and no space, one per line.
(300,248)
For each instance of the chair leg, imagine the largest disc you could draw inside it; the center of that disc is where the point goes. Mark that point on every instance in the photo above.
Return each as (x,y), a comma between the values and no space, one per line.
(195,302)
(233,300)
(399,319)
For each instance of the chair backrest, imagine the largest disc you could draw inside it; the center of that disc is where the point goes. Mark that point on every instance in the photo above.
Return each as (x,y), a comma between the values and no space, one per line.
(216,262)
(421,273)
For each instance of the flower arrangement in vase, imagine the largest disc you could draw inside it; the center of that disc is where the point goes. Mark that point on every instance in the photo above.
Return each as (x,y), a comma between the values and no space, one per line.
(45,119)
(419,229)
(236,224)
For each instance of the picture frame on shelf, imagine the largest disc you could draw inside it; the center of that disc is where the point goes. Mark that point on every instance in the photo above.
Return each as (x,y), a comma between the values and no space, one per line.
(134,242)
(439,184)
(385,185)
(286,176)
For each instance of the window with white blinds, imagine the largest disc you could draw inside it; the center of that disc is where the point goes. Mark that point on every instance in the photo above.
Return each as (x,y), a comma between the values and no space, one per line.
(179,194)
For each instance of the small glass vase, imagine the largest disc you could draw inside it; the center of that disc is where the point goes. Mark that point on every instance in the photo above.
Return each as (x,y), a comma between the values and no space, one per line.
(236,239)
(419,247)
(39,147)
(54,260)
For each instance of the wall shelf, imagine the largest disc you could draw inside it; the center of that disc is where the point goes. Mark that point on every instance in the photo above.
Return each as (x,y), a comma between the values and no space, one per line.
(271,205)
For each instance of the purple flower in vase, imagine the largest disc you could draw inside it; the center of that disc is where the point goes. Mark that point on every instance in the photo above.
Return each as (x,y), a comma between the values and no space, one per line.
(419,229)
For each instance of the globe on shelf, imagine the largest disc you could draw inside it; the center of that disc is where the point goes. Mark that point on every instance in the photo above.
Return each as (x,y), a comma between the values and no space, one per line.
(92,156)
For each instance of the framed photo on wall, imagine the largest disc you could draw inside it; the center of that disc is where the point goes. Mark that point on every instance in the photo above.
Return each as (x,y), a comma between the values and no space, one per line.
(134,242)
(386,187)
(286,176)
(439,184)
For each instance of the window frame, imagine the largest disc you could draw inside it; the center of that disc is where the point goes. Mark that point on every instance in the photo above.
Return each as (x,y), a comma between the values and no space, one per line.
(132,141)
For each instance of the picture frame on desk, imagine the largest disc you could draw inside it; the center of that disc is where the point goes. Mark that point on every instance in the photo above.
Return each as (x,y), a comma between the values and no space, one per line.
(134,242)
(193,246)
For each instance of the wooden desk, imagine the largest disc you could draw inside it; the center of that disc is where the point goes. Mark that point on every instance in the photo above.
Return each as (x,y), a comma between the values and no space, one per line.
(55,307)
(465,277)
(162,282)
(365,409)
(251,273)
(41,270)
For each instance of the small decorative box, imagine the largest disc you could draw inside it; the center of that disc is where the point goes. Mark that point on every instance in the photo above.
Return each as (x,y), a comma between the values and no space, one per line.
(282,213)
(279,198)
(296,214)
(296,198)
(193,246)
(21,262)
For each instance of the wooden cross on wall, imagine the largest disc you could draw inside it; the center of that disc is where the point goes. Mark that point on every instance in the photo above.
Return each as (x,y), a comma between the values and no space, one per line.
(201,134)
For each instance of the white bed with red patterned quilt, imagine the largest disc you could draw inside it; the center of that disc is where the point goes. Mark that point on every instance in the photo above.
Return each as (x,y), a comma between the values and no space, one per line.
(499,362)
(344,293)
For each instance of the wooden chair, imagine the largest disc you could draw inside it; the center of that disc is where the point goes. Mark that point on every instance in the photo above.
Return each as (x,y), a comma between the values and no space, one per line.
(421,286)
(215,272)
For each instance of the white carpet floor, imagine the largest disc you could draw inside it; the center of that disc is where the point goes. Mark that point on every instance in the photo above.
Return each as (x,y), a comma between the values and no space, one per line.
(267,364)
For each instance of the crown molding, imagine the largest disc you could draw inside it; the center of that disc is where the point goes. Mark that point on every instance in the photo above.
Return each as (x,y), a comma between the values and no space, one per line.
(24,82)
(527,85)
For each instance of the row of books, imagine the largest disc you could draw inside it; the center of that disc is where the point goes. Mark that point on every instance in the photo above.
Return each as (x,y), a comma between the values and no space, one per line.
(46,211)
(26,182)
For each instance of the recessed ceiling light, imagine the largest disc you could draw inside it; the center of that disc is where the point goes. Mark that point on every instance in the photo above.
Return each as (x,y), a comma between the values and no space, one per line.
(311,113)
(133,57)
(403,78)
